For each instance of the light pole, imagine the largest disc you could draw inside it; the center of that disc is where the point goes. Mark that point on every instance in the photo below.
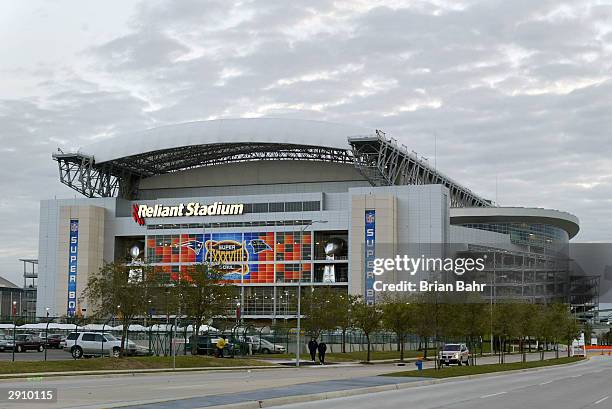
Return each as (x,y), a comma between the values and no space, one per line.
(299,296)
(493,296)
(47,333)
(14,328)
(491,313)
(173,332)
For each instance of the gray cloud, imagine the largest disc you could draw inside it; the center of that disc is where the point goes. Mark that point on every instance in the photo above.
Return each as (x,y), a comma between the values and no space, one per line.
(518,90)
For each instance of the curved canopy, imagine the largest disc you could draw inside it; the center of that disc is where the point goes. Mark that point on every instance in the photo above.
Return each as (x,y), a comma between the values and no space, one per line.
(563,220)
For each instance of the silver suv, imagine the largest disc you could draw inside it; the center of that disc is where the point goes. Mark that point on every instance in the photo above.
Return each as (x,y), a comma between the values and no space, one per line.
(263,346)
(80,344)
(454,354)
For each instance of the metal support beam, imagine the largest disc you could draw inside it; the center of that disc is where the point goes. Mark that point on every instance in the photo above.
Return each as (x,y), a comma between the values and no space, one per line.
(383,163)
(122,176)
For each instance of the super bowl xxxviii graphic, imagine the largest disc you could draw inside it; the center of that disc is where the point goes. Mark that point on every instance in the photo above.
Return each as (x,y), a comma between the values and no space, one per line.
(232,254)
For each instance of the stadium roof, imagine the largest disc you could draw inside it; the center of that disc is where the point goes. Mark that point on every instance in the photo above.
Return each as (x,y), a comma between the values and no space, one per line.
(114,167)
(226,131)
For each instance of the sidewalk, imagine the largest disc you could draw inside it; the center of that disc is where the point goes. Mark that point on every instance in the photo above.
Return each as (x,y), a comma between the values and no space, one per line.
(294,393)
(278,364)
(131,371)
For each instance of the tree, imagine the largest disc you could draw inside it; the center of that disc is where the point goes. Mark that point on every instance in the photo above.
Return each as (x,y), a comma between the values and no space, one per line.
(588,333)
(474,318)
(556,315)
(607,338)
(423,319)
(527,314)
(505,324)
(120,289)
(203,296)
(398,316)
(544,327)
(368,319)
(569,329)
(319,311)
(432,316)
(343,312)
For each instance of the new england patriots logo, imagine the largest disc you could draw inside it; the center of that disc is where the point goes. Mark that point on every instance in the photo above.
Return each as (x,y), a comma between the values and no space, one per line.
(258,245)
(193,245)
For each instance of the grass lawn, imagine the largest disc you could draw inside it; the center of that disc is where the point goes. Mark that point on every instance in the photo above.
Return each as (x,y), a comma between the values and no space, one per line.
(449,372)
(351,356)
(145,362)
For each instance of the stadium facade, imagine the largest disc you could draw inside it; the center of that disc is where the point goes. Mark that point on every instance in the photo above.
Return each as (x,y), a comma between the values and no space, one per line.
(277,203)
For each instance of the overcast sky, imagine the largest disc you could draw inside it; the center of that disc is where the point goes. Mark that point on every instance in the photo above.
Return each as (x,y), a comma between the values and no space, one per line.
(514,91)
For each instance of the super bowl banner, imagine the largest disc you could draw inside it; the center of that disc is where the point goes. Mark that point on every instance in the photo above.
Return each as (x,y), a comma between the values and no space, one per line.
(234,254)
(370,254)
(73,254)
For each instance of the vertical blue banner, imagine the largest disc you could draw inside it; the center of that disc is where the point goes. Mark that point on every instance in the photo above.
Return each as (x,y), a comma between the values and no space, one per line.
(370,254)
(72,266)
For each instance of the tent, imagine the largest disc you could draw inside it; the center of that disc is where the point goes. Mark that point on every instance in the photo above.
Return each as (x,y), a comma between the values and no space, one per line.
(132,328)
(96,327)
(41,326)
(203,328)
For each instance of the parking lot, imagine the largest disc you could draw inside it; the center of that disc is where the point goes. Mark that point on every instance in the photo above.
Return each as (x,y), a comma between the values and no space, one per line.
(52,355)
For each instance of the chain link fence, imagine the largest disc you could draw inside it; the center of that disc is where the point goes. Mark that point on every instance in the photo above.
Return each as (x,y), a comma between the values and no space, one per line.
(163,336)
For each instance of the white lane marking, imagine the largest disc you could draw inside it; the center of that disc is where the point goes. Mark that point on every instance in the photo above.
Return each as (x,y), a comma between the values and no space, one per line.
(601,400)
(576,376)
(493,394)
(546,383)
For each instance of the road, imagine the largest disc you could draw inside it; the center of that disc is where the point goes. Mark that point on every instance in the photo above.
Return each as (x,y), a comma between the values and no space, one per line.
(108,391)
(52,355)
(583,385)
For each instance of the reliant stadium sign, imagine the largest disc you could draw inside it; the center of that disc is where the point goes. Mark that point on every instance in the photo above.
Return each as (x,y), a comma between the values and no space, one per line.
(140,212)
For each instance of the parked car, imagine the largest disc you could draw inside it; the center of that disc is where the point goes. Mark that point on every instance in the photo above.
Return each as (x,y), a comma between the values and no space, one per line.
(454,354)
(54,341)
(207,344)
(25,342)
(4,342)
(263,346)
(81,344)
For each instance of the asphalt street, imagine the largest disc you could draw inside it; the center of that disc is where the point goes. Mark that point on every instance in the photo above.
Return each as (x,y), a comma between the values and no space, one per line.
(583,385)
(52,355)
(114,390)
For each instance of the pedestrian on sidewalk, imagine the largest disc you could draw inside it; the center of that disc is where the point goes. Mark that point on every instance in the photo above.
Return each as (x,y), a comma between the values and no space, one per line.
(312,347)
(322,348)
(221,342)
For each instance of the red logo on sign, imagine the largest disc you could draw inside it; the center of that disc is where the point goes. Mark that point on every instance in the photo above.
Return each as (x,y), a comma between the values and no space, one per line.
(135,216)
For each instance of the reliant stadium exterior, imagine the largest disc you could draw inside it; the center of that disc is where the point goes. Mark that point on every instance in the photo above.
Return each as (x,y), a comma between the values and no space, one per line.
(272,202)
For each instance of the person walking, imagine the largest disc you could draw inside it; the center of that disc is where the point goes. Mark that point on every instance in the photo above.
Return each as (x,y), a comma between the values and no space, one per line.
(312,347)
(322,348)
(221,342)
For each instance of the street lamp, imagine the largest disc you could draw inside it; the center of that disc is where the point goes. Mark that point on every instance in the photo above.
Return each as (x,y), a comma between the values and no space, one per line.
(493,296)
(14,327)
(299,297)
(47,333)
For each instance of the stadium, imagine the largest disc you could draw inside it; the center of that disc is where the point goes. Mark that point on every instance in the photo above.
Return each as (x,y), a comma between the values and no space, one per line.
(280,203)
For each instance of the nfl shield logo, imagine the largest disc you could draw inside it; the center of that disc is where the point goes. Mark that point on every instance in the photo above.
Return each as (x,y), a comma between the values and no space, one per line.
(74,226)
(370,218)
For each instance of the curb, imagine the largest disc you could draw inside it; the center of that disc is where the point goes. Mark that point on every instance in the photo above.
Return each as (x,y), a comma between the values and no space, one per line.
(8,377)
(266,403)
